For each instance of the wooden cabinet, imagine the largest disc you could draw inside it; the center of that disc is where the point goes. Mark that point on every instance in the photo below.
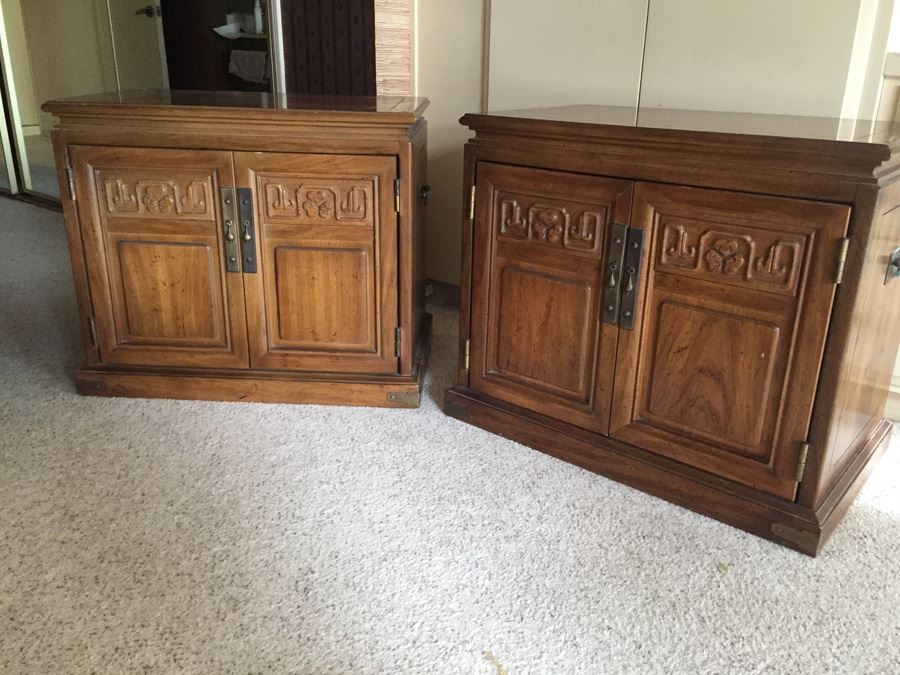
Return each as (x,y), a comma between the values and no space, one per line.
(673,308)
(250,267)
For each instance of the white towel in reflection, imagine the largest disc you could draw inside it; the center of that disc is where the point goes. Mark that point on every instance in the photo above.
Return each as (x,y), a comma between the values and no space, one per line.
(250,66)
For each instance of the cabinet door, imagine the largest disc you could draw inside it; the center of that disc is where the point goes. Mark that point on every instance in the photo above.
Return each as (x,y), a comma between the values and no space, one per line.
(324,297)
(537,336)
(154,247)
(720,370)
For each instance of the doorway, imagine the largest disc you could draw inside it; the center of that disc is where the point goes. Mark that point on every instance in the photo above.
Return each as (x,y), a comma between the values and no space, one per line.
(50,49)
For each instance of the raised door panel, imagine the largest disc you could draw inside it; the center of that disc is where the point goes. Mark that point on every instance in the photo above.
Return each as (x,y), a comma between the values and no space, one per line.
(537,337)
(324,297)
(721,368)
(152,233)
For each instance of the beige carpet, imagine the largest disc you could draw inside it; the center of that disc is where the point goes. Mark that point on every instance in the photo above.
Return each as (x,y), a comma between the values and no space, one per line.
(167,537)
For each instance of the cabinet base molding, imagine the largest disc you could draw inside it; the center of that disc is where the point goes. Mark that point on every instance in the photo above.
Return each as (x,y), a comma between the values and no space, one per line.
(784,522)
(388,391)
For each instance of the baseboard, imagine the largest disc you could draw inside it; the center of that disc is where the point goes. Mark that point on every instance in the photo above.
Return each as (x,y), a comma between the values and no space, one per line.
(892,405)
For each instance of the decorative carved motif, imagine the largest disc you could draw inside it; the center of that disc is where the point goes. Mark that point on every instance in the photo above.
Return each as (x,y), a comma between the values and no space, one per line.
(119,199)
(550,222)
(511,220)
(681,250)
(756,256)
(584,234)
(318,202)
(778,263)
(157,197)
(278,202)
(724,255)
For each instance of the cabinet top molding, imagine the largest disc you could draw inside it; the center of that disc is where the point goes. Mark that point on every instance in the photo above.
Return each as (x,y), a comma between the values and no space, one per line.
(811,157)
(375,111)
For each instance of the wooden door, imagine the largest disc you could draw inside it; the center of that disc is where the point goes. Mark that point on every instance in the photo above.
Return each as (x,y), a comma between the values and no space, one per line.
(154,247)
(720,370)
(324,297)
(537,336)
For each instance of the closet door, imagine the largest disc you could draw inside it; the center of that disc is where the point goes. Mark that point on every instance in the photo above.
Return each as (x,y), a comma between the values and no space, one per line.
(720,368)
(323,296)
(154,243)
(538,339)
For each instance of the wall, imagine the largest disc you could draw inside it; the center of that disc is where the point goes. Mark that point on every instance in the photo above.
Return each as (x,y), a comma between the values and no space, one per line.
(394,47)
(19,61)
(589,53)
(761,56)
(70,49)
(449,72)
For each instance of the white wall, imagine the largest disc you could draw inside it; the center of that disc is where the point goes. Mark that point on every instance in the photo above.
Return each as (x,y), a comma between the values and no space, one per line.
(565,52)
(773,56)
(449,73)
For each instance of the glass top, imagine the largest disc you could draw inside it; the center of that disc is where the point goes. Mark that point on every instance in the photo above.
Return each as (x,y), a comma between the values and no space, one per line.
(252,100)
(790,126)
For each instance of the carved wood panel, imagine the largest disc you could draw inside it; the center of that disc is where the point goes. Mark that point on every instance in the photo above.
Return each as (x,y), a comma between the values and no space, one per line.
(539,342)
(726,254)
(157,194)
(153,243)
(721,369)
(318,200)
(566,223)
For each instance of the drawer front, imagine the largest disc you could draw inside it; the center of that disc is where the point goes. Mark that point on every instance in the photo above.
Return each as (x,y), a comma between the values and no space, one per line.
(324,296)
(537,337)
(734,301)
(154,249)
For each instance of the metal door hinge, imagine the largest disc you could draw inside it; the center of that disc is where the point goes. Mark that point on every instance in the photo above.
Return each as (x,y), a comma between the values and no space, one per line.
(634,250)
(466,351)
(397,195)
(92,323)
(248,230)
(801,462)
(228,204)
(472,203)
(398,334)
(624,251)
(70,176)
(841,261)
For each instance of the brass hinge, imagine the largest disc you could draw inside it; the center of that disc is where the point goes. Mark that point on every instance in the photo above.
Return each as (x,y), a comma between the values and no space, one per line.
(93,326)
(842,260)
(466,350)
(472,203)
(397,195)
(801,462)
(398,333)
(70,176)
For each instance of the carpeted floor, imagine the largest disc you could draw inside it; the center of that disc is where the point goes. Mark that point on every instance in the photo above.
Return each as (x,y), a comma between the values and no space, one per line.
(165,537)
